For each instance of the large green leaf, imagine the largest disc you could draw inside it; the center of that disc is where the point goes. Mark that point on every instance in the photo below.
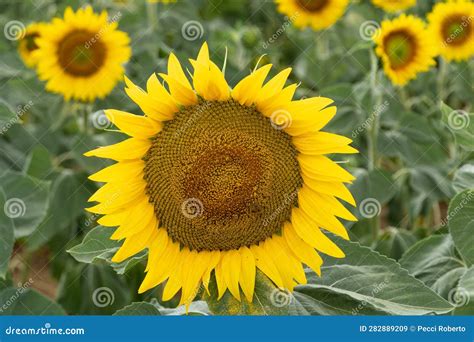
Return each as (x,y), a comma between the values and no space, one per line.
(67,200)
(138,309)
(464,177)
(371,278)
(463,295)
(461,125)
(461,224)
(435,262)
(96,245)
(25,301)
(26,201)
(7,239)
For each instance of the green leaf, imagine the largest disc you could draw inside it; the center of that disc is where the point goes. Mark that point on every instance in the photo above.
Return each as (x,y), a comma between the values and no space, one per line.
(138,309)
(461,124)
(96,246)
(7,239)
(67,200)
(267,300)
(394,242)
(461,224)
(435,262)
(376,280)
(376,184)
(26,202)
(464,177)
(463,296)
(38,163)
(25,301)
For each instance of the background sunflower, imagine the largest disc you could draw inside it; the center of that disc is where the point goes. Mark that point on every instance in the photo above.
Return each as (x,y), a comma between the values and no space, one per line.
(411,180)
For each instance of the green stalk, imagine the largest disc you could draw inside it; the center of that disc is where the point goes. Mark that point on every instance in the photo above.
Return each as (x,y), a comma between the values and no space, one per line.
(372,133)
(441,79)
(151,14)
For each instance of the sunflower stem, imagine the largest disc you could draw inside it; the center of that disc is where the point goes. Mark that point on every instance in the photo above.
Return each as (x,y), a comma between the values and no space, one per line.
(372,132)
(151,11)
(441,79)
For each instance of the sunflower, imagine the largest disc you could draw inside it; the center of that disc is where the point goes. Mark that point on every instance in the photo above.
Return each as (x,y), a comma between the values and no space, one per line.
(394,5)
(451,24)
(27,45)
(81,56)
(222,182)
(319,14)
(405,47)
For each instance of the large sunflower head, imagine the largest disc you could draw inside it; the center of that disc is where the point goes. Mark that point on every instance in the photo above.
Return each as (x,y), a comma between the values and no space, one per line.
(405,48)
(317,14)
(81,56)
(223,181)
(451,24)
(394,5)
(27,44)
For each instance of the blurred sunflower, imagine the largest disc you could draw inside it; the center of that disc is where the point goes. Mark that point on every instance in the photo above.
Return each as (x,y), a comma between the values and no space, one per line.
(394,5)
(214,179)
(451,24)
(405,47)
(27,45)
(81,56)
(318,14)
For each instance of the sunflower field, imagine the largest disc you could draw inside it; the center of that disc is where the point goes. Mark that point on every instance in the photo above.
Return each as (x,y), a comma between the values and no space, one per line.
(287,157)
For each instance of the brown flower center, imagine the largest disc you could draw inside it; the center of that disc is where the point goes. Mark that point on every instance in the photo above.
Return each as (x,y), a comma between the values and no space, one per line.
(81,53)
(220,176)
(400,47)
(456,29)
(313,5)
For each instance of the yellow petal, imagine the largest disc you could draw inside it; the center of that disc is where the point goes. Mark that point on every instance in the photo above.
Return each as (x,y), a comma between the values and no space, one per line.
(231,265)
(274,86)
(265,263)
(337,189)
(220,280)
(302,250)
(247,273)
(132,148)
(323,168)
(246,91)
(312,235)
(323,143)
(134,244)
(122,171)
(133,125)
(215,259)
